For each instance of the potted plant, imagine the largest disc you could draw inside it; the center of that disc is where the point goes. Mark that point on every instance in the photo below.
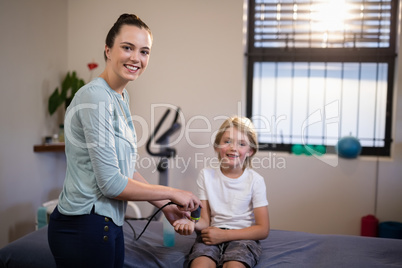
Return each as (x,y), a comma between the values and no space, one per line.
(69,87)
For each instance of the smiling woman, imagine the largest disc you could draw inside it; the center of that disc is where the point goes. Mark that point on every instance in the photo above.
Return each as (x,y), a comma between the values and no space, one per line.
(127,58)
(85,229)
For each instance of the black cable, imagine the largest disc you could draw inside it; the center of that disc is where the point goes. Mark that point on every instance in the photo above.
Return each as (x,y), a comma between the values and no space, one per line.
(195,216)
(149,220)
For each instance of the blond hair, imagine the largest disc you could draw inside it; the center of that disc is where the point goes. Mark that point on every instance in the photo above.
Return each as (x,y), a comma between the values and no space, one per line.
(244,125)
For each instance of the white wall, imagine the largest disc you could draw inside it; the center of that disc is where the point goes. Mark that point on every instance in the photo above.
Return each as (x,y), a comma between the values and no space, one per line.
(33,42)
(196,63)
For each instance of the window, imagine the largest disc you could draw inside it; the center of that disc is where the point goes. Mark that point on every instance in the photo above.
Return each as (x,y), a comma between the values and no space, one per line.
(321,70)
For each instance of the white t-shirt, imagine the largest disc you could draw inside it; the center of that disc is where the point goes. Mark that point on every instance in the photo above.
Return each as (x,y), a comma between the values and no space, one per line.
(232,200)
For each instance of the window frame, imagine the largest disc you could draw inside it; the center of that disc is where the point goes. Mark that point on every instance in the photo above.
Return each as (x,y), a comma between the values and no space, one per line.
(386,55)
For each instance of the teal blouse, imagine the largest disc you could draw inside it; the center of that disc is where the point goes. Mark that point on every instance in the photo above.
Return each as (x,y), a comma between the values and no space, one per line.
(101,151)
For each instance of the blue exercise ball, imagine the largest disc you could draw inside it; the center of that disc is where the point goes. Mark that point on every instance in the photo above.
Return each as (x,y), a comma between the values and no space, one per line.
(348,147)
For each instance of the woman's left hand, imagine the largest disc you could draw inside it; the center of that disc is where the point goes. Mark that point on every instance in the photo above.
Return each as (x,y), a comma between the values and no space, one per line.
(172,213)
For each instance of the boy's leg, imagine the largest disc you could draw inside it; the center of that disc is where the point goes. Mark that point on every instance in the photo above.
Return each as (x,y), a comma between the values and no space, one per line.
(203,262)
(204,254)
(245,252)
(234,264)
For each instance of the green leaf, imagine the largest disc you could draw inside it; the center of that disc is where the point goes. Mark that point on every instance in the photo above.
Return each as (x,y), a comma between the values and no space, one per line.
(54,101)
(67,102)
(71,81)
(65,86)
(74,75)
(76,85)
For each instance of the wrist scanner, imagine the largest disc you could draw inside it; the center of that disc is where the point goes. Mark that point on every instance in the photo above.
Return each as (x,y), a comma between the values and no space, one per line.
(196,214)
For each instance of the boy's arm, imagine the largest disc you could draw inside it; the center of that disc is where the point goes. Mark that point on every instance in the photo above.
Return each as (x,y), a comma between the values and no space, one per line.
(213,235)
(205,216)
(185,226)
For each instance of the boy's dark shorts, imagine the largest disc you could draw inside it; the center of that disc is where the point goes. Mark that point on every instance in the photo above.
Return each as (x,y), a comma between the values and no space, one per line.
(245,251)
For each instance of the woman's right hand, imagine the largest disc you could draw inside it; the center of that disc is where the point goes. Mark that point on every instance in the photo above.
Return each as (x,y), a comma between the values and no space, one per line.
(185,200)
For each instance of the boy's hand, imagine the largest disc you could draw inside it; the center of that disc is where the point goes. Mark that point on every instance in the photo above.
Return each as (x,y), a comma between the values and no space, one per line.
(213,236)
(184,226)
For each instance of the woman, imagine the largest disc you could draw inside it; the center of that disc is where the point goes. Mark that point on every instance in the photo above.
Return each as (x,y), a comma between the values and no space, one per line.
(85,229)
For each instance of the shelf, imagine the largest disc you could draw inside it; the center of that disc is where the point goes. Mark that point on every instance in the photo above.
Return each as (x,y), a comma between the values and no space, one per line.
(58,147)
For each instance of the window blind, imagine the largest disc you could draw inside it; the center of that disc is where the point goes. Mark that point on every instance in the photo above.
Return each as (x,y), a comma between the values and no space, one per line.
(336,23)
(335,58)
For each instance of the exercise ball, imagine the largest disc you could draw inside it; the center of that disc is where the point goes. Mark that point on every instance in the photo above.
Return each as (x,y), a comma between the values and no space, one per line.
(297,149)
(348,147)
(320,149)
